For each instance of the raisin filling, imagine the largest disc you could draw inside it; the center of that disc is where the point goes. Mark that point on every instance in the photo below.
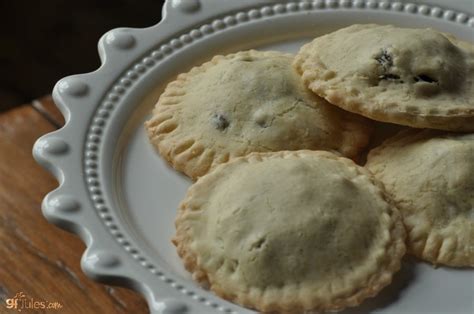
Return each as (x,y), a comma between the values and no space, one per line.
(424,78)
(390,77)
(385,59)
(220,122)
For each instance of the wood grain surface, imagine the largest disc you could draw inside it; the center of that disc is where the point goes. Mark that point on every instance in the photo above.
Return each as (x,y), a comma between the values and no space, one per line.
(37,258)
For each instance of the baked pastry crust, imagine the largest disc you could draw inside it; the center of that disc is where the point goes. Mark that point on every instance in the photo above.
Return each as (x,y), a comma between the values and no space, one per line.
(415,77)
(250,101)
(289,232)
(429,175)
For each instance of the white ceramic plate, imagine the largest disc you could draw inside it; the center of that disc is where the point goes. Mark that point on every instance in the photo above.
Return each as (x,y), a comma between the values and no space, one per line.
(120,197)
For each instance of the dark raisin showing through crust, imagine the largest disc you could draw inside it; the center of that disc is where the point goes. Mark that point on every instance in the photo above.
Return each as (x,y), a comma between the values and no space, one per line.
(220,122)
(385,59)
(391,77)
(424,78)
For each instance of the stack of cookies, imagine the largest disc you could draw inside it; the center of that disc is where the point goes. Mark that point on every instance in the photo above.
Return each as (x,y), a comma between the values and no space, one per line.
(282,216)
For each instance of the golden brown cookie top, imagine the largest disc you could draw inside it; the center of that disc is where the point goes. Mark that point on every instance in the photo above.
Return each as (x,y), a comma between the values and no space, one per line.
(416,77)
(290,231)
(250,101)
(429,174)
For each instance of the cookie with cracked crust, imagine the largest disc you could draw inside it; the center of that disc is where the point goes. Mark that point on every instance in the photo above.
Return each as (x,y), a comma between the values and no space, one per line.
(290,232)
(246,102)
(429,175)
(415,77)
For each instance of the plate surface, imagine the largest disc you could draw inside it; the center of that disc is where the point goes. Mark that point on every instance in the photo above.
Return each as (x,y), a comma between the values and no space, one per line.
(120,197)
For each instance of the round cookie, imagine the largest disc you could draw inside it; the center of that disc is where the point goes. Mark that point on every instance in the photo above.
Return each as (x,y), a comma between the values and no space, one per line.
(290,232)
(250,101)
(429,175)
(415,77)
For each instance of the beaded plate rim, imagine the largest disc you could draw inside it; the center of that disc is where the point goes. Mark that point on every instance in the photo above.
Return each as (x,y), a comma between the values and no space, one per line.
(52,147)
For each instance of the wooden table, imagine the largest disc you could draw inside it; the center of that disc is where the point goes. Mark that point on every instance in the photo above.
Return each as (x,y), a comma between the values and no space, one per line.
(37,258)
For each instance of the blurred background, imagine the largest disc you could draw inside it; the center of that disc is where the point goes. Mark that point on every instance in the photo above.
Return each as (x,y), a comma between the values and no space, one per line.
(43,41)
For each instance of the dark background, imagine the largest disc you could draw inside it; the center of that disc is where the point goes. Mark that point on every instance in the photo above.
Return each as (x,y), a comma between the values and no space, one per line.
(43,41)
